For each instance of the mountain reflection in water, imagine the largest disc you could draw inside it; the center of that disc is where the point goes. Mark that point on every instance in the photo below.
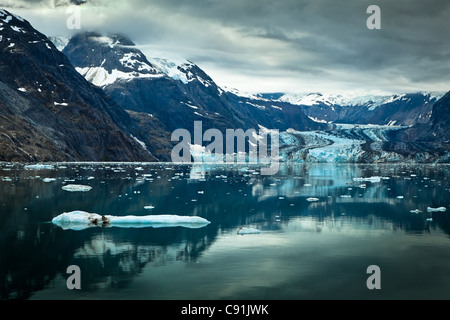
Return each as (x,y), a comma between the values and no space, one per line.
(307,249)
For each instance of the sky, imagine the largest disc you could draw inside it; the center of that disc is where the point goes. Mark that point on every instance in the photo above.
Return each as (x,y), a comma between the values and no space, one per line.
(294,46)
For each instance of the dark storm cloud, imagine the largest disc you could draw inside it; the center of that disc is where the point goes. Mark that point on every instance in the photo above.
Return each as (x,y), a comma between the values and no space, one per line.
(320,42)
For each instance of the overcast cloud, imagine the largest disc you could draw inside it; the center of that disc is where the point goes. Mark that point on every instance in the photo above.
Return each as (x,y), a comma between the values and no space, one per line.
(284,45)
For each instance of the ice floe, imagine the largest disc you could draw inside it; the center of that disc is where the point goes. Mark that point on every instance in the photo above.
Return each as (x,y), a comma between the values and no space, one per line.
(440,209)
(39,166)
(76,187)
(245,230)
(312,199)
(79,220)
(370,179)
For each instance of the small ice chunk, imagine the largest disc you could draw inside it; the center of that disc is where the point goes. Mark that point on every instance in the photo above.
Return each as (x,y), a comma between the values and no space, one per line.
(415,211)
(371,179)
(312,199)
(245,230)
(38,166)
(400,197)
(440,209)
(49,179)
(76,187)
(149,207)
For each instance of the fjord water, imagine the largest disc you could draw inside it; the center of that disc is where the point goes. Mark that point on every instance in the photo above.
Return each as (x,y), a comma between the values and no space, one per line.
(307,249)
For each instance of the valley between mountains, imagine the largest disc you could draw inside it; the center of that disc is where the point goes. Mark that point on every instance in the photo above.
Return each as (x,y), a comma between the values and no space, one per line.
(98,97)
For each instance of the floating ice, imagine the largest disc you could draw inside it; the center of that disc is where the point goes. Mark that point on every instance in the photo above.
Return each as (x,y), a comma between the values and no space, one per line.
(244,230)
(149,207)
(79,220)
(440,209)
(76,187)
(371,179)
(38,166)
(415,211)
(312,199)
(48,179)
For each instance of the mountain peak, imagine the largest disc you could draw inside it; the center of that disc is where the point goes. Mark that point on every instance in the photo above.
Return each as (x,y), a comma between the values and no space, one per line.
(103,60)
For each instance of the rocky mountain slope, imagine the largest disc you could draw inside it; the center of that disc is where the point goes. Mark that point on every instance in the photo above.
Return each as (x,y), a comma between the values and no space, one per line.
(102,99)
(48,111)
(177,93)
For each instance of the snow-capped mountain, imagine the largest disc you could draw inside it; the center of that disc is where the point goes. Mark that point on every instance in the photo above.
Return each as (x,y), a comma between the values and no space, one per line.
(110,59)
(360,108)
(176,93)
(435,131)
(49,111)
(372,101)
(52,113)
(164,95)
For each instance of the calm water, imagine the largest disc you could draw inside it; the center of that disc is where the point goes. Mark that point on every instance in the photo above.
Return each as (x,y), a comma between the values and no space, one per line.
(306,249)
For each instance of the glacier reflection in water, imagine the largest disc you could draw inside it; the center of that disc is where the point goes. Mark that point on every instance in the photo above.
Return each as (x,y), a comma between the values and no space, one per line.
(321,226)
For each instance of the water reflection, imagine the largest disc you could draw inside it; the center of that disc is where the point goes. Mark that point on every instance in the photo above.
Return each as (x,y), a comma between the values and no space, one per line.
(34,254)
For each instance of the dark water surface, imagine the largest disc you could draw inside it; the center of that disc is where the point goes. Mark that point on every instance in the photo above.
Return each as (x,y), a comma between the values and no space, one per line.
(306,249)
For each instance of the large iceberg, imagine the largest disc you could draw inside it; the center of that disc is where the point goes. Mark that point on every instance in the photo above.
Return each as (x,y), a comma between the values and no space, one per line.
(79,220)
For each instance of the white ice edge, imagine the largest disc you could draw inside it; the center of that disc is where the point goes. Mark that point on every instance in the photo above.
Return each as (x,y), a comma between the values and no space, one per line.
(79,220)
(76,188)
(440,209)
(245,230)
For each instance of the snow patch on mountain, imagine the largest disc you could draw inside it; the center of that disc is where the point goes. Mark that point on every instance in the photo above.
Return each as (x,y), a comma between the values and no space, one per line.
(342,99)
(60,42)
(243,94)
(372,100)
(101,77)
(177,69)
